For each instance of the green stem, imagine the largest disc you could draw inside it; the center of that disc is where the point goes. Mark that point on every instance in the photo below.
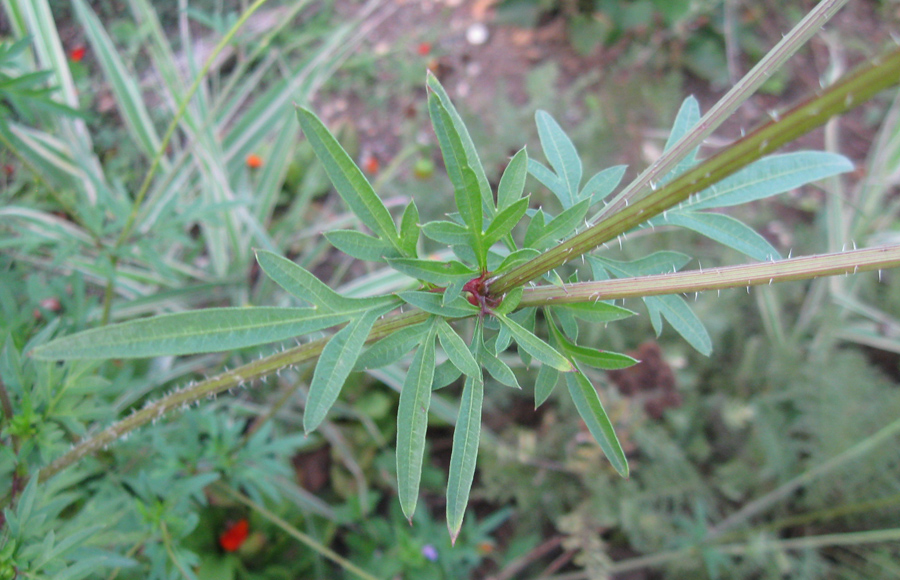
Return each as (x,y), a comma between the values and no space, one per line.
(164,144)
(853,90)
(805,268)
(211,387)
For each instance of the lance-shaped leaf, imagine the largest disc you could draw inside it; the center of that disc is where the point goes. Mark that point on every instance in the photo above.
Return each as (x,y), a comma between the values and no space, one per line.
(588,404)
(434,272)
(505,221)
(563,225)
(472,158)
(596,312)
(590,356)
(770,176)
(445,232)
(457,351)
(349,181)
(361,246)
(512,182)
(183,333)
(561,154)
(433,303)
(535,346)
(544,384)
(682,318)
(301,283)
(337,360)
(412,424)
(409,229)
(725,230)
(465,183)
(464,455)
(603,183)
(390,348)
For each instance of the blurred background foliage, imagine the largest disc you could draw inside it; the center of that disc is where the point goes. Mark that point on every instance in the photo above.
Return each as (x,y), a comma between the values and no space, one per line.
(786,434)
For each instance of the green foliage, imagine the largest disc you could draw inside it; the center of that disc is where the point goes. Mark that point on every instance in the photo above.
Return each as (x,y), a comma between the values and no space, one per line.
(179,248)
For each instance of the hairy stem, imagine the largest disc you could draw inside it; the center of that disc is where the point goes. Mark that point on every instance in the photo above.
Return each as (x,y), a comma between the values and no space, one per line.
(805,268)
(211,387)
(853,90)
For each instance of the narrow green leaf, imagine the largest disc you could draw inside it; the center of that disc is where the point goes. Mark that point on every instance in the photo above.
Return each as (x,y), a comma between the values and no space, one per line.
(602,184)
(510,300)
(183,333)
(464,455)
(302,284)
(505,221)
(563,225)
(590,356)
(561,154)
(432,271)
(445,232)
(392,347)
(535,228)
(588,404)
(498,369)
(687,118)
(465,183)
(412,424)
(725,230)
(682,319)
(335,364)
(349,181)
(549,179)
(547,378)
(535,346)
(457,350)
(444,374)
(596,312)
(512,182)
(361,246)
(409,229)
(433,303)
(516,258)
(472,158)
(770,176)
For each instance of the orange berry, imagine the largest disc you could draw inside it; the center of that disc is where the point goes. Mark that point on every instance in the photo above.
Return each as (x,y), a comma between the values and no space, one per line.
(254,161)
(77,53)
(371,165)
(234,535)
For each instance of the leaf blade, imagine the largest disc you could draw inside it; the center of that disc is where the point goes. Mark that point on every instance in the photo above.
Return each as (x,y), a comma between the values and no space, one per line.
(464,455)
(591,410)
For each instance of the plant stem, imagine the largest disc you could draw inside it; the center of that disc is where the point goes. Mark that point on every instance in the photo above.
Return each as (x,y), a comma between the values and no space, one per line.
(211,387)
(853,90)
(804,268)
(789,44)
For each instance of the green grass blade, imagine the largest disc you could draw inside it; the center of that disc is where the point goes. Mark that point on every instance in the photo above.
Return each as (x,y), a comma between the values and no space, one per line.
(561,154)
(464,455)
(335,364)
(348,179)
(535,346)
(588,404)
(124,87)
(412,424)
(209,330)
